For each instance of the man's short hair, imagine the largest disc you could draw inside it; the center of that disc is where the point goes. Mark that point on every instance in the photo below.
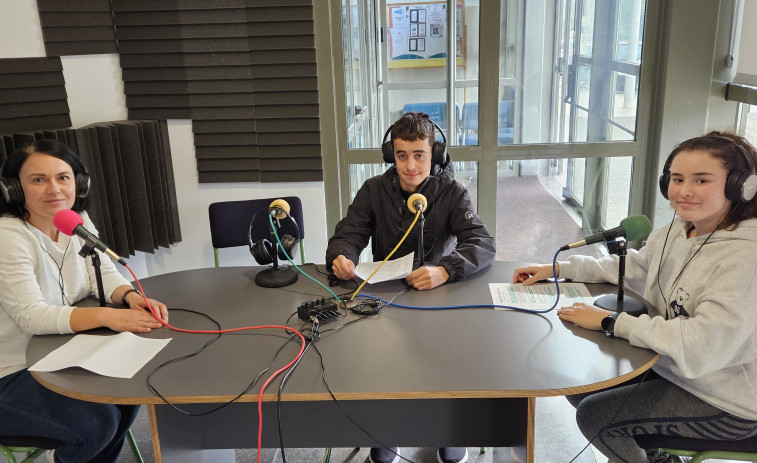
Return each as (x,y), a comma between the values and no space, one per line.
(413,126)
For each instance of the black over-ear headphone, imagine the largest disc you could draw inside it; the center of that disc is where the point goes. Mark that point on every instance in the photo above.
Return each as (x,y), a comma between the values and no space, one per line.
(741,184)
(438,149)
(14,194)
(263,250)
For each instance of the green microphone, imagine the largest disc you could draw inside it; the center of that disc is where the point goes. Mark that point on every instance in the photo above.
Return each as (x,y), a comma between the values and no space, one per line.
(632,228)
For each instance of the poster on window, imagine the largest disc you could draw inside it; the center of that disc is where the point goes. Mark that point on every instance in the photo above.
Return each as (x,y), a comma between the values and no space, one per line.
(418,35)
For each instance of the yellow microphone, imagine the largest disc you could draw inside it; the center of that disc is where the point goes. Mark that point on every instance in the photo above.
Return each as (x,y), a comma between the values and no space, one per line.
(417,202)
(279,209)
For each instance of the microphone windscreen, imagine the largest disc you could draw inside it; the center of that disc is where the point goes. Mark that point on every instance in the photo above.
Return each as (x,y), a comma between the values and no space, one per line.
(66,221)
(281,204)
(414,198)
(637,227)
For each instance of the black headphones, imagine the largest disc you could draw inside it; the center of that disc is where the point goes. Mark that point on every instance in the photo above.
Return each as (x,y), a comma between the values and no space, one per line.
(14,194)
(741,184)
(263,250)
(438,149)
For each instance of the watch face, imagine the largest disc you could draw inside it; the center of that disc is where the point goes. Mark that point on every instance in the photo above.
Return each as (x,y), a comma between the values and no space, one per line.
(608,323)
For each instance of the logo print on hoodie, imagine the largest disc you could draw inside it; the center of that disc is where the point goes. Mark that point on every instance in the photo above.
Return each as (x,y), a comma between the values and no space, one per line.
(677,303)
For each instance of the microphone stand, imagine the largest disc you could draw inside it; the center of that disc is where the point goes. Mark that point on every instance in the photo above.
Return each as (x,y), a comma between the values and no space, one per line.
(89,250)
(621,302)
(421,249)
(275,276)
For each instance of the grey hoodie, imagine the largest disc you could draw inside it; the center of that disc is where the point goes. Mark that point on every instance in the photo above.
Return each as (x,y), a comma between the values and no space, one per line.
(704,319)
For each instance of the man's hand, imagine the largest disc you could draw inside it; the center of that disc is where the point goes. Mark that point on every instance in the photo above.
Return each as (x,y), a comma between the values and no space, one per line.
(343,268)
(424,278)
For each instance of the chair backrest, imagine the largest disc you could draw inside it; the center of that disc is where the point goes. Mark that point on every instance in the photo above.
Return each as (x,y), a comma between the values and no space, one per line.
(230,221)
(436,111)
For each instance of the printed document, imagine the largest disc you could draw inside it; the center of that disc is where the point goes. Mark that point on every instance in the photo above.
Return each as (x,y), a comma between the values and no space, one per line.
(540,296)
(391,270)
(121,355)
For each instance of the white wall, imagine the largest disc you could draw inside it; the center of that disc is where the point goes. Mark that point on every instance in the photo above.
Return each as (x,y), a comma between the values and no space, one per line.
(95,93)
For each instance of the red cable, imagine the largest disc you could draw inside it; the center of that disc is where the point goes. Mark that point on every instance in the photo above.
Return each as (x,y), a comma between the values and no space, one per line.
(229,330)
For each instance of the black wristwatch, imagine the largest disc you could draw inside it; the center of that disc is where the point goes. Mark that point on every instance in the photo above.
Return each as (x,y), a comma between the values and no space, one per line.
(608,324)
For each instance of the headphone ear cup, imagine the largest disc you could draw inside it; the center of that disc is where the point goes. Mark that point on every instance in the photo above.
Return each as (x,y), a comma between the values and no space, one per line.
(438,153)
(387,150)
(12,191)
(740,186)
(262,251)
(82,185)
(290,246)
(664,182)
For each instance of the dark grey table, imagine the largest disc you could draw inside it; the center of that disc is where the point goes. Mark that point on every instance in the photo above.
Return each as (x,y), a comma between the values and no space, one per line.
(415,378)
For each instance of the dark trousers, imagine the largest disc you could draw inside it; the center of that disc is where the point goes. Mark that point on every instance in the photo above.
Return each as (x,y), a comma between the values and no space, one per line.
(87,431)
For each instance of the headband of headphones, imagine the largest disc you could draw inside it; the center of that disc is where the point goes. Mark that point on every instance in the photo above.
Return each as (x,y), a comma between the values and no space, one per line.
(741,184)
(438,149)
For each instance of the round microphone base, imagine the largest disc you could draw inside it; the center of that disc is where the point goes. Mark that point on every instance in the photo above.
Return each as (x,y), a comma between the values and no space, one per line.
(276,277)
(631,305)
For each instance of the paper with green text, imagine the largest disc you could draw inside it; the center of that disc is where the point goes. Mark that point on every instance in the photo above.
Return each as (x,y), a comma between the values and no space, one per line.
(540,296)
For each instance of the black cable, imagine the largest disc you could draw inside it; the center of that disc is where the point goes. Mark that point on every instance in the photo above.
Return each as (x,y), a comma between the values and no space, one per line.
(349,417)
(613,416)
(278,398)
(211,341)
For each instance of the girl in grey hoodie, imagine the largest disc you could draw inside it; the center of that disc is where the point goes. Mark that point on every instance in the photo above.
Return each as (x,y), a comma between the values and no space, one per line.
(699,275)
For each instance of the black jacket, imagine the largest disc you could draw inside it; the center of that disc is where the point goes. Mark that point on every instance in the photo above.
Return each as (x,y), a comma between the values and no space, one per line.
(454,236)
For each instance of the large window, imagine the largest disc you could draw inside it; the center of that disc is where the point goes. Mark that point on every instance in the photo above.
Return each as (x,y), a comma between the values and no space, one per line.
(541,96)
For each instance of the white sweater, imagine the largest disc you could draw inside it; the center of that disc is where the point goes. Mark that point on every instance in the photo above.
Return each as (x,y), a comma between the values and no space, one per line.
(31,281)
(709,340)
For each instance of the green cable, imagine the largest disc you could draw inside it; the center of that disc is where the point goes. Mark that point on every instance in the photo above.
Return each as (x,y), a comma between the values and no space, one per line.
(270,219)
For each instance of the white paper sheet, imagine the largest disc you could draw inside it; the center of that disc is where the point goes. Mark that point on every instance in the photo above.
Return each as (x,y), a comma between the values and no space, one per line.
(539,296)
(392,269)
(121,355)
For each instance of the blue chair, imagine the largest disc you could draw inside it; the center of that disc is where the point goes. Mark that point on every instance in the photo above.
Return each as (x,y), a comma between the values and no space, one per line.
(470,124)
(505,123)
(436,111)
(230,223)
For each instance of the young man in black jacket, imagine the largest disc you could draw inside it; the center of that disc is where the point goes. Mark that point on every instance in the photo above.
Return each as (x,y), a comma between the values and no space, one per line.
(456,242)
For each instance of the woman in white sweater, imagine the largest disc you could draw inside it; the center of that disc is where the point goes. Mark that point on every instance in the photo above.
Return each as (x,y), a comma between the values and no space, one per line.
(41,279)
(700,276)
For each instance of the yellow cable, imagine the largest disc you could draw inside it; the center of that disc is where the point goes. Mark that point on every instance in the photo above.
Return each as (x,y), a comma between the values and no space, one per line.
(417,214)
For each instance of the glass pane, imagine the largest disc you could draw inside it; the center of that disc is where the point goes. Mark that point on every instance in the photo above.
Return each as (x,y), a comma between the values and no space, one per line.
(624,99)
(750,124)
(630,31)
(617,191)
(564,192)
(417,50)
(587,28)
(558,58)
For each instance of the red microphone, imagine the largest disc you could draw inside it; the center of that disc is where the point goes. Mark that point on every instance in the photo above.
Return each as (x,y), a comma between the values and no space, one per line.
(70,223)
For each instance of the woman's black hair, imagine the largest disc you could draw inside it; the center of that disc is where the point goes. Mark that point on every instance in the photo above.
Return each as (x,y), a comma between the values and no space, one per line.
(12,167)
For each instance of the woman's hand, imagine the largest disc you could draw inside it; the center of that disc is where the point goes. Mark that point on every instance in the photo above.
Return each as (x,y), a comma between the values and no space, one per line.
(133,320)
(137,302)
(584,315)
(534,273)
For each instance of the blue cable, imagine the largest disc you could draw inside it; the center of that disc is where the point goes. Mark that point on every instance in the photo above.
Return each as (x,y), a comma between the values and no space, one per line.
(518,309)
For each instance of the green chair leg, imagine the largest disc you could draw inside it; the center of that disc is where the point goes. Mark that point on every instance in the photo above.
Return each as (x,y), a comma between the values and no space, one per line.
(30,453)
(134,448)
(698,457)
(215,256)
